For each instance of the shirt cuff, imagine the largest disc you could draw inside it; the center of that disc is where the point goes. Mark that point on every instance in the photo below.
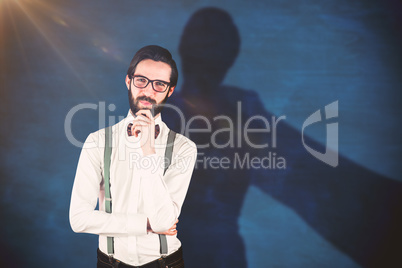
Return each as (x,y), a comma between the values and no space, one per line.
(137,224)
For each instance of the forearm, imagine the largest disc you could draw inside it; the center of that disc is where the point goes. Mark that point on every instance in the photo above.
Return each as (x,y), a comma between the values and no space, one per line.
(164,194)
(113,224)
(158,204)
(84,218)
(88,186)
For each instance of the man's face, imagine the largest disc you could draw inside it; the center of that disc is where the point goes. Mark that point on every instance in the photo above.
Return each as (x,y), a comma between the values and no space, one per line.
(147,98)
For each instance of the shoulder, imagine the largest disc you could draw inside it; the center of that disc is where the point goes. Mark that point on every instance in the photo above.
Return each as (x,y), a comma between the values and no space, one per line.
(184,140)
(97,138)
(184,145)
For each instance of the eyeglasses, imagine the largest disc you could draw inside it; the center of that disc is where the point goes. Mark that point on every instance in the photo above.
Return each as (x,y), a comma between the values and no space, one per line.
(157,85)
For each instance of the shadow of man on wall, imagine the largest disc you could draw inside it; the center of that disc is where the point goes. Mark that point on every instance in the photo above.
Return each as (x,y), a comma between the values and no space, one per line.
(355,209)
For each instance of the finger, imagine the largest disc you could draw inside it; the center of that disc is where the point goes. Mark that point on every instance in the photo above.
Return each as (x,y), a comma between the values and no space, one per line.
(146,113)
(143,127)
(172,232)
(137,126)
(142,118)
(146,122)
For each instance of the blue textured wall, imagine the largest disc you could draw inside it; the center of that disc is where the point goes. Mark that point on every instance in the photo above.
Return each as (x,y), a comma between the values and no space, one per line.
(297,56)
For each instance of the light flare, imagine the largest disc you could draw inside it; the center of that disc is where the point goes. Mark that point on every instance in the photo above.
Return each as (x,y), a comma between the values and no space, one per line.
(53,23)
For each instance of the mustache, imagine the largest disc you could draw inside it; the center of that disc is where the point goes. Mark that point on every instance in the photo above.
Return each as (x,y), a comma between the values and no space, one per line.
(145,98)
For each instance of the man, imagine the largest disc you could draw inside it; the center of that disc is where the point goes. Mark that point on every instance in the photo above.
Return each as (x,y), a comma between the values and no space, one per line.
(145,201)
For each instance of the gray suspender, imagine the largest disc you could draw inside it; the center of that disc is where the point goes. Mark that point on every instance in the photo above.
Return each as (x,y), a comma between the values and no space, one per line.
(106,175)
(168,159)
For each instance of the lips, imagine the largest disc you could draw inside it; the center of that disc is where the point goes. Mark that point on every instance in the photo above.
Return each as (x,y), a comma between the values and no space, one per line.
(145,103)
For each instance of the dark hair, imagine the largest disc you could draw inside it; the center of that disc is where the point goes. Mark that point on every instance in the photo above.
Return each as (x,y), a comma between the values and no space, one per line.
(155,53)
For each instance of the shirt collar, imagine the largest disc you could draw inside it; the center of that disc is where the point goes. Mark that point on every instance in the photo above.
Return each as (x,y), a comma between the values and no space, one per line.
(158,121)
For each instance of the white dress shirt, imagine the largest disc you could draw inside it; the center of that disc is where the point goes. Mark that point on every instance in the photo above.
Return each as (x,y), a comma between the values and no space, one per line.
(139,192)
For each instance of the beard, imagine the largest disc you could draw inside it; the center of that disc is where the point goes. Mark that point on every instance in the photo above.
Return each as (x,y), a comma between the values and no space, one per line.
(134,104)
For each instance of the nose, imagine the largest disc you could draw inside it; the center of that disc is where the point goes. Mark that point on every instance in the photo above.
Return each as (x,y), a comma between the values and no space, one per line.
(148,90)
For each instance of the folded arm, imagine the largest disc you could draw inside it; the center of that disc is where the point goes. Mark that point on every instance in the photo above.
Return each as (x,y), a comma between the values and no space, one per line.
(164,195)
(87,186)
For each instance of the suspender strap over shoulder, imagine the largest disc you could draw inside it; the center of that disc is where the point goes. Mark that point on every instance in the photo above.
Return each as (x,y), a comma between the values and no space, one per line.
(106,174)
(168,160)
(169,149)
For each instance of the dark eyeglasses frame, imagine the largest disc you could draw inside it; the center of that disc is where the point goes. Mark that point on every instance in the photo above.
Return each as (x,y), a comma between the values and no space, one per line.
(152,83)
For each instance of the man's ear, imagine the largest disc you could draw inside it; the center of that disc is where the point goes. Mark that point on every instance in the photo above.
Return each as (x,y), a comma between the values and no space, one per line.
(128,81)
(171,89)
